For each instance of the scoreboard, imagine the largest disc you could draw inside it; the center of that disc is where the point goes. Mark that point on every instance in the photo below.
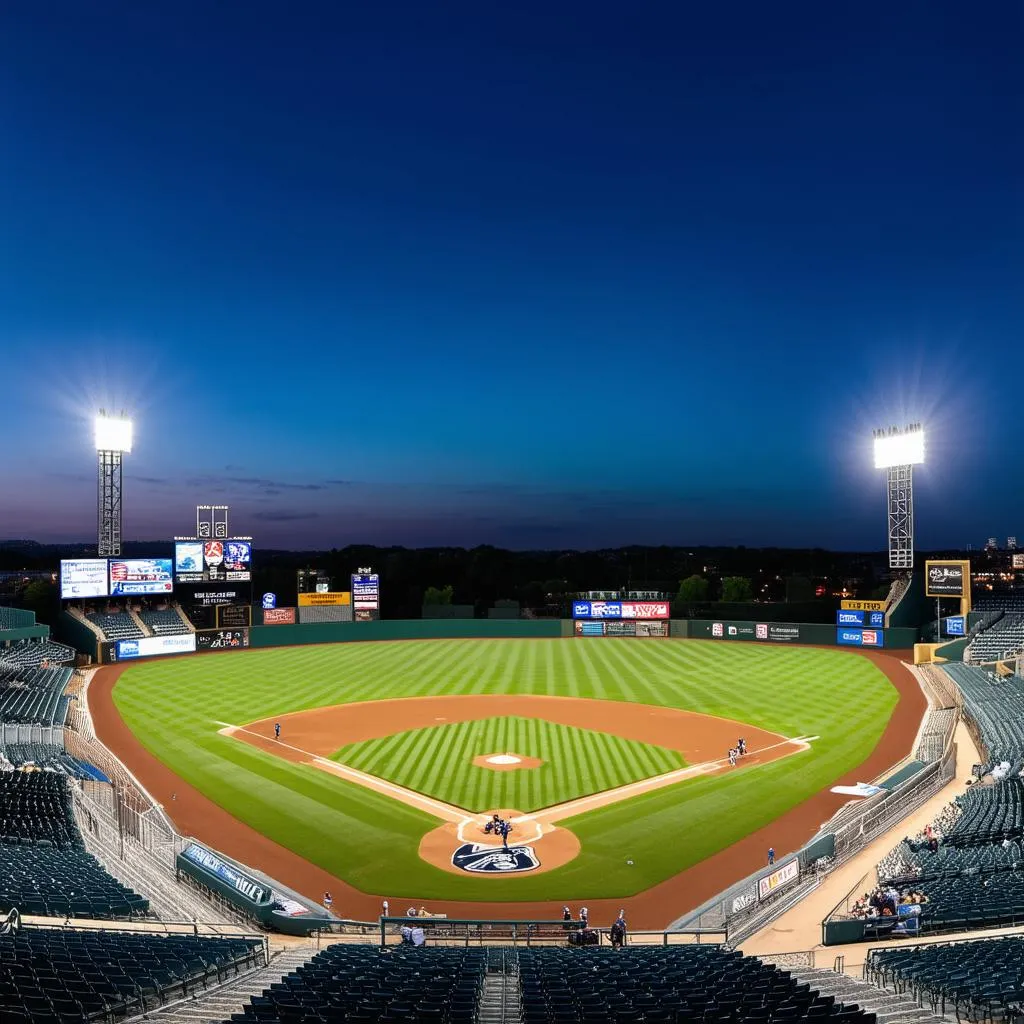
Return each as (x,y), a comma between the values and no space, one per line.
(213,561)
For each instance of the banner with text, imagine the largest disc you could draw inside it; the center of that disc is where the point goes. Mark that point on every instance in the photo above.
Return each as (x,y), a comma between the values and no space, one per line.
(876,620)
(222,639)
(863,606)
(782,876)
(328,599)
(860,637)
(620,610)
(278,616)
(764,632)
(947,579)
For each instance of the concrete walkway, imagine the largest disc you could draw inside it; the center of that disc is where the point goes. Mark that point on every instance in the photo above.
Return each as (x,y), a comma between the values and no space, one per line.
(800,928)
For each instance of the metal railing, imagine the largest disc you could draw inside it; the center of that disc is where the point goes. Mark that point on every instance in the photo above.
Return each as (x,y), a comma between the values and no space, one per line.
(483,932)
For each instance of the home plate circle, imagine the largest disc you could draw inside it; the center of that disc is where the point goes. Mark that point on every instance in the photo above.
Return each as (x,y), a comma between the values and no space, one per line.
(504,759)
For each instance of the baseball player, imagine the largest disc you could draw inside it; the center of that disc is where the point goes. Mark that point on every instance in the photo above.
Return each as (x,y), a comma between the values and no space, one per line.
(277,730)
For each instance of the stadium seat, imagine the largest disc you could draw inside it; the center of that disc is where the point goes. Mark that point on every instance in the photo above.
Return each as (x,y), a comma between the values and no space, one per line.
(33,695)
(66,976)
(43,866)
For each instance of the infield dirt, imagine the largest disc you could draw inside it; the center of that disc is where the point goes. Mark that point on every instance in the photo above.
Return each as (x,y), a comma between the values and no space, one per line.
(196,815)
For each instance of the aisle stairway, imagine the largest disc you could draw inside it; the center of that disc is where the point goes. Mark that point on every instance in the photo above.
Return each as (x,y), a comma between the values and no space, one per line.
(501,999)
(887,1007)
(213,1005)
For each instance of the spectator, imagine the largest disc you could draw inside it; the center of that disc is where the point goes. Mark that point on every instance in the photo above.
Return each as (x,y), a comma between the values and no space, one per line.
(418,937)
(406,932)
(618,932)
(567,918)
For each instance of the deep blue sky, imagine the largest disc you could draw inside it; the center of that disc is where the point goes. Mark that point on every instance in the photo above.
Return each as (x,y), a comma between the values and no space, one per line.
(540,274)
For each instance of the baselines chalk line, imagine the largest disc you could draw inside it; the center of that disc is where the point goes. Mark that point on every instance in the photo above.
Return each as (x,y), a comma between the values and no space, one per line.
(544,819)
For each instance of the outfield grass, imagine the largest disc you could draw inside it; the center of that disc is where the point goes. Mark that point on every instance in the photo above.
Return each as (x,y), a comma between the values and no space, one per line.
(175,707)
(438,761)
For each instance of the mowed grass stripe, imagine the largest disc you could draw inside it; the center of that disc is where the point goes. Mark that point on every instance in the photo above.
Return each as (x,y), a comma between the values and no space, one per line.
(437,761)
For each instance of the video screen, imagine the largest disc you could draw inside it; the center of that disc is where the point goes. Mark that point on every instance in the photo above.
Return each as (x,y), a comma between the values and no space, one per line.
(188,558)
(238,559)
(83,577)
(211,561)
(133,576)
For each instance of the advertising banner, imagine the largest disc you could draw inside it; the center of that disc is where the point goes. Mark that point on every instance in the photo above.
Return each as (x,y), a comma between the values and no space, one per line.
(130,576)
(270,600)
(619,628)
(947,579)
(850,618)
(1018,562)
(210,594)
(325,600)
(765,632)
(860,637)
(222,639)
(658,628)
(253,891)
(588,628)
(188,559)
(956,625)
(782,875)
(597,609)
(278,616)
(645,610)
(863,606)
(151,646)
(876,620)
(234,615)
(83,577)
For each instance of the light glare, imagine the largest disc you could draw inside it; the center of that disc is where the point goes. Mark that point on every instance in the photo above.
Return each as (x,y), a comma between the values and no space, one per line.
(113,435)
(903,449)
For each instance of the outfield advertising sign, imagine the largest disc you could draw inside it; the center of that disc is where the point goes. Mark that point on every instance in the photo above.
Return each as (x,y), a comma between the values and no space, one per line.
(278,616)
(782,876)
(850,618)
(645,610)
(152,646)
(956,625)
(621,627)
(860,637)
(947,579)
(763,632)
(863,606)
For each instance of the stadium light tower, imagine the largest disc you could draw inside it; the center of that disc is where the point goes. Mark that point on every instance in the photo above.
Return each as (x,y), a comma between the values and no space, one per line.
(113,440)
(898,450)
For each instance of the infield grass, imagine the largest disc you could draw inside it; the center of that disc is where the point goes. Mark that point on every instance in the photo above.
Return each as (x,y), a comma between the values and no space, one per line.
(438,761)
(176,708)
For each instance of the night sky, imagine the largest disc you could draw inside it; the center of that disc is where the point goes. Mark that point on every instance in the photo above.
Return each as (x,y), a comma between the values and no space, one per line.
(532,274)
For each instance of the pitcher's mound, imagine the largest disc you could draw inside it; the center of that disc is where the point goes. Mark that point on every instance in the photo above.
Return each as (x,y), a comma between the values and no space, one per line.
(533,848)
(506,762)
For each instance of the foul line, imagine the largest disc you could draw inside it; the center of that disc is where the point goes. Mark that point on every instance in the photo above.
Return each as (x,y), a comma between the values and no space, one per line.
(461,817)
(446,812)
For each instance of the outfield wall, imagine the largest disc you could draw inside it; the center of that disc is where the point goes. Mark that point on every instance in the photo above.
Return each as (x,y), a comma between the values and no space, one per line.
(402,629)
(814,633)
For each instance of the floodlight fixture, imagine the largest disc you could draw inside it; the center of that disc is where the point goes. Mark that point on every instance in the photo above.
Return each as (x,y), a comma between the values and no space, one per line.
(113,439)
(897,451)
(899,447)
(113,433)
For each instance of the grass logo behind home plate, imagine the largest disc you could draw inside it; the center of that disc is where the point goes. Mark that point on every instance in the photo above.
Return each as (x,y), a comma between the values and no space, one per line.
(480,859)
